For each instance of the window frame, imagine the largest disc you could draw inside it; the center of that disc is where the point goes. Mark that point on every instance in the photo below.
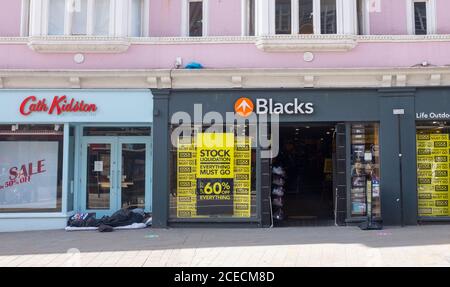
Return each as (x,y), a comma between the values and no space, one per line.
(346,17)
(364,21)
(185,17)
(431,16)
(119,14)
(246,17)
(145,18)
(69,13)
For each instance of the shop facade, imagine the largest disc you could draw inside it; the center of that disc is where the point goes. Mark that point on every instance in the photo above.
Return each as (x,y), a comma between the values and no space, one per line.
(67,151)
(376,135)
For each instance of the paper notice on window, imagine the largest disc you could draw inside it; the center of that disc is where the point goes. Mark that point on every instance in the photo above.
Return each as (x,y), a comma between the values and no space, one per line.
(98,166)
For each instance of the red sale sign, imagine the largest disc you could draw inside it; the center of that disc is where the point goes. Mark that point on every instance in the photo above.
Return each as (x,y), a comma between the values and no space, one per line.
(28,174)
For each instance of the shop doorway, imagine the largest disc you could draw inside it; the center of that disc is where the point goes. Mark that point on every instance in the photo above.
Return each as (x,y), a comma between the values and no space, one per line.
(115,172)
(302,176)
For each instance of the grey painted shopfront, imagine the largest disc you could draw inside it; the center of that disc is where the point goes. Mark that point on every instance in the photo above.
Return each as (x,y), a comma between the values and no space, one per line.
(396,112)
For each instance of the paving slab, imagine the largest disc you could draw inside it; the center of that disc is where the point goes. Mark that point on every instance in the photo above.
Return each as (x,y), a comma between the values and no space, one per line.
(427,245)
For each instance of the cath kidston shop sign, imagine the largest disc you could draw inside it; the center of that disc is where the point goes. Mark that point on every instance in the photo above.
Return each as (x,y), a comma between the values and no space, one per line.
(58,106)
(28,174)
(76,106)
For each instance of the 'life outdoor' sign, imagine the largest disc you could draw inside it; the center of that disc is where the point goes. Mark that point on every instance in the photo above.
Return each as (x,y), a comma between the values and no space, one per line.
(433,116)
(58,106)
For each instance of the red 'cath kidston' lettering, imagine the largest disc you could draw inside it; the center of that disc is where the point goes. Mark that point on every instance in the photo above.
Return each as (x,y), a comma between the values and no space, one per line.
(59,105)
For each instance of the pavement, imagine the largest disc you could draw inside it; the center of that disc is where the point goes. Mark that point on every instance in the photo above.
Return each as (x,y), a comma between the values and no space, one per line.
(427,245)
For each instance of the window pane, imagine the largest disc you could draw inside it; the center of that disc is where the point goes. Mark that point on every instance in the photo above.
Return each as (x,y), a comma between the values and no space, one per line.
(360,10)
(98,182)
(56,9)
(433,181)
(79,20)
(136,18)
(283,17)
(195,18)
(420,18)
(328,17)
(133,175)
(251,18)
(117,131)
(31,168)
(365,169)
(306,17)
(101,17)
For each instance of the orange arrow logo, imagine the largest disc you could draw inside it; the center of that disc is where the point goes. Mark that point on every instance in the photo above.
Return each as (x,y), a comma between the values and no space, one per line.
(243,107)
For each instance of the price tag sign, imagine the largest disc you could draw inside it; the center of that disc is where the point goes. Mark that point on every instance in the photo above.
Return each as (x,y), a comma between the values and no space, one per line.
(215,196)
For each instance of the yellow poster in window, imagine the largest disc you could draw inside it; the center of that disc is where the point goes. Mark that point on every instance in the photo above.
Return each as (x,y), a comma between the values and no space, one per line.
(215,155)
(186,181)
(242,178)
(214,176)
(433,159)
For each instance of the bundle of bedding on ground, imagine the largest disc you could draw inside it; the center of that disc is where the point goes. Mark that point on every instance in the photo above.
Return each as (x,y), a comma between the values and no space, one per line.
(121,219)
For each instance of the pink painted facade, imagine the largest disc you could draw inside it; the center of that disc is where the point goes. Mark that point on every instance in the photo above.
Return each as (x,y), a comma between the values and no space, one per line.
(443,21)
(10,14)
(165,18)
(232,56)
(390,19)
(225,20)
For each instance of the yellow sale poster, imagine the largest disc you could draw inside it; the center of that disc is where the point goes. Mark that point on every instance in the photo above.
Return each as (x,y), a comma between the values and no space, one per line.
(433,174)
(214,176)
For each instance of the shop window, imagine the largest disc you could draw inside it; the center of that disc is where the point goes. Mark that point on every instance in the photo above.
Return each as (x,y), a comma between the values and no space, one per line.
(117,131)
(433,139)
(365,170)
(31,168)
(88,17)
(215,180)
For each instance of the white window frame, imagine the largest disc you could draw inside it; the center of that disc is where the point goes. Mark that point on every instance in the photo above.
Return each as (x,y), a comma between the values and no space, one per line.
(365,6)
(346,17)
(431,16)
(185,17)
(245,16)
(25,18)
(90,18)
(145,18)
(119,24)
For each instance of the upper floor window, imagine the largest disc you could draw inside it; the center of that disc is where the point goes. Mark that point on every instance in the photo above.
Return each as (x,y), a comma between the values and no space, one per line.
(421,16)
(249,17)
(89,17)
(362,10)
(194,18)
(313,17)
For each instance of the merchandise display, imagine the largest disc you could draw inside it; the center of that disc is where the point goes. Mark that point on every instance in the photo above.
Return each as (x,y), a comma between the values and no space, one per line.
(365,163)
(278,191)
